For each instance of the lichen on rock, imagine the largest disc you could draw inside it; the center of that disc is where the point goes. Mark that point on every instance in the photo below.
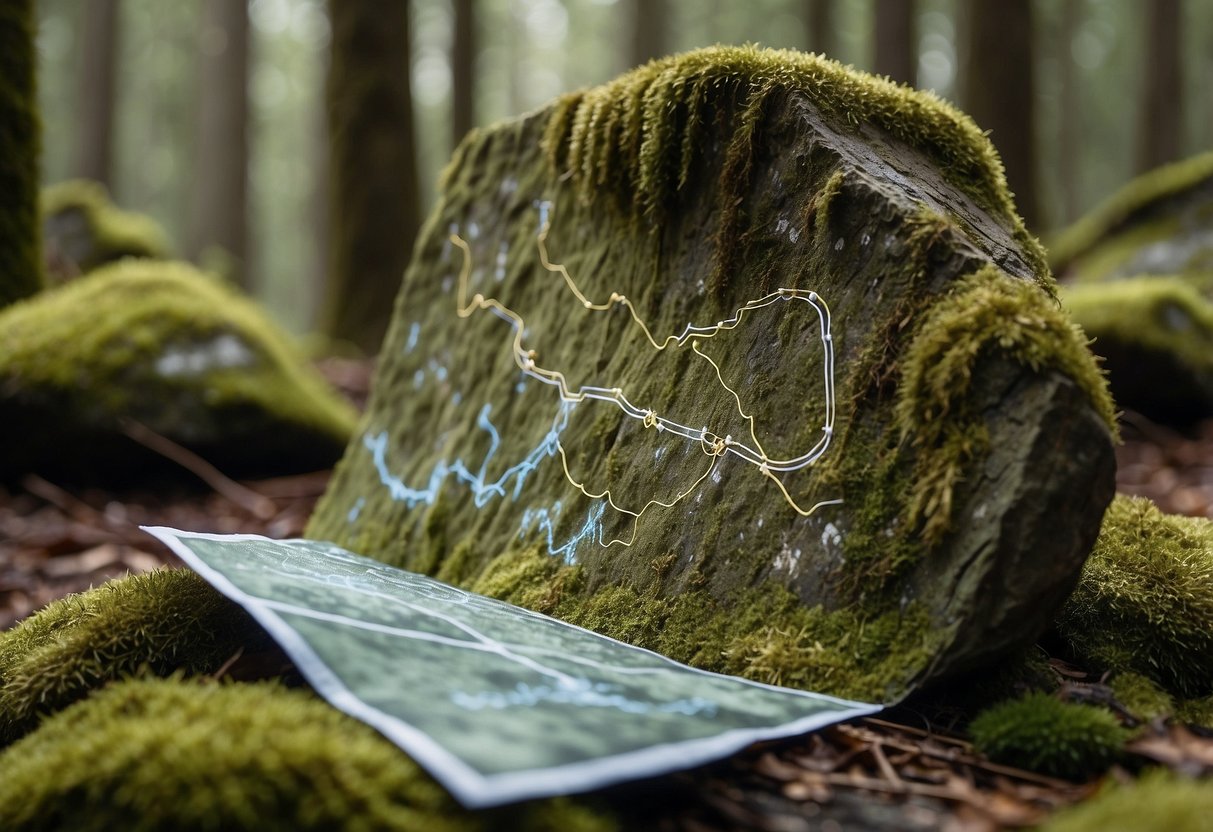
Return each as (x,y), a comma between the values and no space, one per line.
(692,187)
(82,230)
(172,349)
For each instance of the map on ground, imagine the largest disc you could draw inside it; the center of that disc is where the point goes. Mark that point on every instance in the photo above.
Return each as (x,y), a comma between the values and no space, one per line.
(496,702)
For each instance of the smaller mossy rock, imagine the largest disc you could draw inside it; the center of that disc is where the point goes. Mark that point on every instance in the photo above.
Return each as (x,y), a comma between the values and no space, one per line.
(1042,733)
(161,622)
(1141,696)
(1158,801)
(1160,223)
(1144,602)
(1155,335)
(172,349)
(1198,712)
(159,754)
(82,230)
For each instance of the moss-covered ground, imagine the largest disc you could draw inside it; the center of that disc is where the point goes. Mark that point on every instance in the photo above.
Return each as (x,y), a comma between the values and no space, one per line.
(169,347)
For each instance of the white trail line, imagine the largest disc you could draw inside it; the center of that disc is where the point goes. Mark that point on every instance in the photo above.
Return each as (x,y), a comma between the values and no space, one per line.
(713,445)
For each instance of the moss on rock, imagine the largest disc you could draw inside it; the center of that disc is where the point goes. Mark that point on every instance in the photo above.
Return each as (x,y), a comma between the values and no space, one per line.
(157,623)
(1144,602)
(20,149)
(1142,696)
(174,754)
(1159,801)
(1155,335)
(1042,733)
(1160,223)
(83,229)
(164,345)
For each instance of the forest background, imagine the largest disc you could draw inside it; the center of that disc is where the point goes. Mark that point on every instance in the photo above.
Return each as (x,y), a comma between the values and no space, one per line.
(211,115)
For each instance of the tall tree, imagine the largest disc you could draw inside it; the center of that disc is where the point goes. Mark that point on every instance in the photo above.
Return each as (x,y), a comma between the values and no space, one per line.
(463,70)
(1069,121)
(998,90)
(218,216)
(95,91)
(20,147)
(649,30)
(896,37)
(375,211)
(823,38)
(1160,131)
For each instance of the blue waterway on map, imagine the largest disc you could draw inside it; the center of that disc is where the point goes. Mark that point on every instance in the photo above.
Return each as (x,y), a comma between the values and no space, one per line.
(582,693)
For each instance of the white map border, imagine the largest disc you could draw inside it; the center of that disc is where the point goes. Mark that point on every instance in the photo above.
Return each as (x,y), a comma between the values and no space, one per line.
(472,789)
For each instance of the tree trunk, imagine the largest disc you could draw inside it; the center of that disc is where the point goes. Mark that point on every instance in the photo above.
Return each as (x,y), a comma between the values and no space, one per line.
(1162,108)
(998,91)
(649,30)
(374,167)
(1069,120)
(20,147)
(95,102)
(463,70)
(219,203)
(822,38)
(896,36)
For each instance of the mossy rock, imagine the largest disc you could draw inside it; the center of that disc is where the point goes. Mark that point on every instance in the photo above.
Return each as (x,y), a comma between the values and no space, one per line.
(1155,335)
(1159,801)
(1040,732)
(158,754)
(966,427)
(1144,603)
(1159,224)
(82,230)
(167,347)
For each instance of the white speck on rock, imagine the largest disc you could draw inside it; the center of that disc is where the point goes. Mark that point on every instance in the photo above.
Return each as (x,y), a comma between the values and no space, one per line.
(838,245)
(794,234)
(980,512)
(195,359)
(831,535)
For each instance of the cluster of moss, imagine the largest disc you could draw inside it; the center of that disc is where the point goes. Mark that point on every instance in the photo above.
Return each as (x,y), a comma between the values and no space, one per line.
(1157,802)
(985,312)
(165,345)
(20,148)
(157,754)
(1144,602)
(1141,696)
(85,229)
(637,135)
(158,623)
(1128,206)
(1040,732)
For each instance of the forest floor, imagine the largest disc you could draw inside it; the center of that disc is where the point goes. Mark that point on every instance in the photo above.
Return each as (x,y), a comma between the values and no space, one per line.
(900,772)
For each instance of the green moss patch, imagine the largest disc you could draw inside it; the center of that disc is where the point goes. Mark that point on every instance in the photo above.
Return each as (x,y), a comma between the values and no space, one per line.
(174,754)
(1042,733)
(1157,802)
(166,346)
(83,229)
(1144,602)
(1141,696)
(160,622)
(1156,337)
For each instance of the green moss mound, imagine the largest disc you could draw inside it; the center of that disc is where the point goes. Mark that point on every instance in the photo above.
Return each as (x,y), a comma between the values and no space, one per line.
(173,754)
(166,346)
(1144,602)
(20,148)
(638,135)
(1042,733)
(1156,337)
(1157,802)
(1142,696)
(83,229)
(158,623)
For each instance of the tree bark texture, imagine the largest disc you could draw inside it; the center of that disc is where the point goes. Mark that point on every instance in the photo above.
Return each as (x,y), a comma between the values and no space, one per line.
(218,216)
(1161,127)
(373,166)
(822,37)
(998,91)
(20,150)
(896,37)
(95,92)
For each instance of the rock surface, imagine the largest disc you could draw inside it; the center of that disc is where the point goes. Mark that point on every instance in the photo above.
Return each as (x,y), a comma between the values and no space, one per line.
(856,507)
(167,347)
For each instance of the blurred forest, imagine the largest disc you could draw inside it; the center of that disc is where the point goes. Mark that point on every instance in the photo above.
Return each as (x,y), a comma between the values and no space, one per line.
(210,115)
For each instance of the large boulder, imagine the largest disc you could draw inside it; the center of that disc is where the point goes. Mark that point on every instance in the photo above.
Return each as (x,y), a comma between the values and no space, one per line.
(162,346)
(744,357)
